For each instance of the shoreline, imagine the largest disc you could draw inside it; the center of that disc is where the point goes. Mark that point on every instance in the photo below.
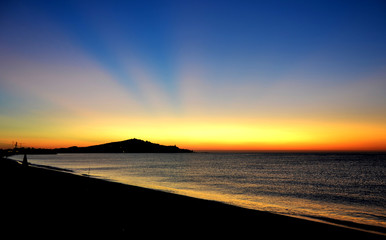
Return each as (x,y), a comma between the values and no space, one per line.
(97,206)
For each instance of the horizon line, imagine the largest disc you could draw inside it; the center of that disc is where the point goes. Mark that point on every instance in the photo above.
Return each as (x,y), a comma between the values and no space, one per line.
(250,150)
(234,149)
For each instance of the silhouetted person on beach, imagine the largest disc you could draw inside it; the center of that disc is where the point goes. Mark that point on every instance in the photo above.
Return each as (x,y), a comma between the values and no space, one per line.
(25,162)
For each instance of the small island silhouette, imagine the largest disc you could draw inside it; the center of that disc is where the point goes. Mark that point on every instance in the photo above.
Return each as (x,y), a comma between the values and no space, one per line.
(127,146)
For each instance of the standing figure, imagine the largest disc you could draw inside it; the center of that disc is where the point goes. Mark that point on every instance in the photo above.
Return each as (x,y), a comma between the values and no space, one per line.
(25,162)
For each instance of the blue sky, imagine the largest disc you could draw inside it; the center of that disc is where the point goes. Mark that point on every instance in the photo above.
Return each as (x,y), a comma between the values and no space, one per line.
(268,36)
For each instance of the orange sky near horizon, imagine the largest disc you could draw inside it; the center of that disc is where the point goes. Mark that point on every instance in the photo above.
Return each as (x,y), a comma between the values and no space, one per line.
(207,135)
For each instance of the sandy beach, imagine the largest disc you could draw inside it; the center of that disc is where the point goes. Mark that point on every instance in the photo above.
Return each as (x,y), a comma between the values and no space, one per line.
(47,202)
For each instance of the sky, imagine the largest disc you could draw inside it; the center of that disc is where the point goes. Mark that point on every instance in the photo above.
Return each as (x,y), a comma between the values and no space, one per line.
(203,75)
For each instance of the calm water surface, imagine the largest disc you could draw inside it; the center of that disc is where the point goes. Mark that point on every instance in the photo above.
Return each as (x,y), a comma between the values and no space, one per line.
(340,186)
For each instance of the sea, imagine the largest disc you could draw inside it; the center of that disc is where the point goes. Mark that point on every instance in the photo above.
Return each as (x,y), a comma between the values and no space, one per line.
(333,187)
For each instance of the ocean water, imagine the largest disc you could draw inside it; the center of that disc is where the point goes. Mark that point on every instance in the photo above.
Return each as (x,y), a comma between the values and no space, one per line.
(341,186)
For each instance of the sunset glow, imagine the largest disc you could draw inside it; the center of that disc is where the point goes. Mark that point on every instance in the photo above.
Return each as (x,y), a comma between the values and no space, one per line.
(198,76)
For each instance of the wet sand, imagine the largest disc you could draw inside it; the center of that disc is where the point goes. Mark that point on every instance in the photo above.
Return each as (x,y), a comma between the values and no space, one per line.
(47,202)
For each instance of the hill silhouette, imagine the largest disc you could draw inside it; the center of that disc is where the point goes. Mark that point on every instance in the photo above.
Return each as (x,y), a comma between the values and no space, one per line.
(127,146)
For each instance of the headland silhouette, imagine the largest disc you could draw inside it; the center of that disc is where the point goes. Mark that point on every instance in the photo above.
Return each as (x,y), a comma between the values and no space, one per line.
(127,146)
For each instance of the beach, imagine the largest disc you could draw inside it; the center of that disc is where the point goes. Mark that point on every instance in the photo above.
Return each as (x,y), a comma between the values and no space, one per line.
(48,202)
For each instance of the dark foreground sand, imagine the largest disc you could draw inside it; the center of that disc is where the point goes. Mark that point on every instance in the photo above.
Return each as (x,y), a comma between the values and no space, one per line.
(43,202)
